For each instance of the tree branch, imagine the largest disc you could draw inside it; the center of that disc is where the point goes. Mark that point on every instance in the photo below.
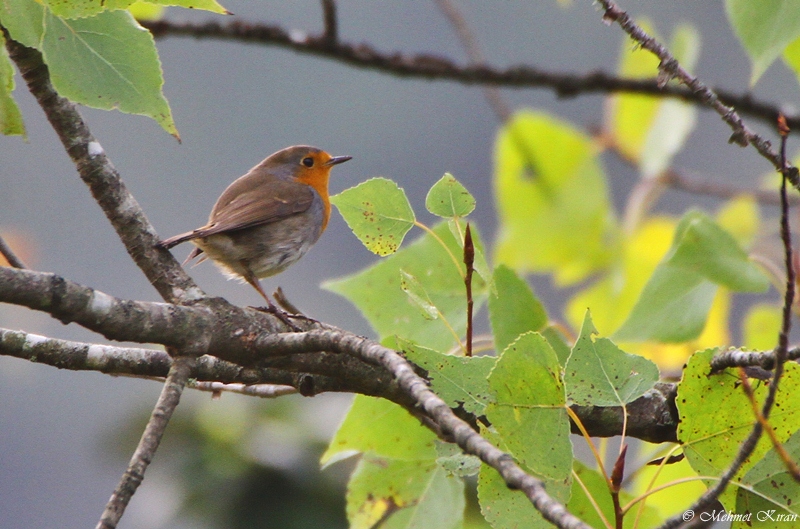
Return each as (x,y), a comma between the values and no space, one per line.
(434,407)
(148,444)
(737,358)
(652,417)
(10,256)
(331,24)
(440,68)
(670,68)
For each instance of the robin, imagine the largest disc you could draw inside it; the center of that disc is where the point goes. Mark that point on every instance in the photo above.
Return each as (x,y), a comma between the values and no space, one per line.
(267,219)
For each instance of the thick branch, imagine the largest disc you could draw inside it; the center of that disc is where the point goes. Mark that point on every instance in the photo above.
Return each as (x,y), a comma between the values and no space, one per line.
(434,67)
(215,327)
(97,171)
(435,408)
(114,318)
(652,417)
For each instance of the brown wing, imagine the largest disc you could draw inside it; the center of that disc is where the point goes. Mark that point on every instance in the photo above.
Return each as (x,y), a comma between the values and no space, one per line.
(267,203)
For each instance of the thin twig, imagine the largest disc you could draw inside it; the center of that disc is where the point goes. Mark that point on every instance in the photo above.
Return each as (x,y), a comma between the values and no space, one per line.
(737,358)
(10,256)
(678,181)
(264,391)
(331,23)
(670,68)
(617,475)
(470,44)
(786,237)
(781,351)
(469,260)
(151,438)
(790,465)
(436,67)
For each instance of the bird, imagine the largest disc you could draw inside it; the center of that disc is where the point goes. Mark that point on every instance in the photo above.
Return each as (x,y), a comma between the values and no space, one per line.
(267,219)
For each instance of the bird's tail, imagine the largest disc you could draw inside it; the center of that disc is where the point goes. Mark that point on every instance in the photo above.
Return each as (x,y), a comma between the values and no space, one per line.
(183,237)
(176,240)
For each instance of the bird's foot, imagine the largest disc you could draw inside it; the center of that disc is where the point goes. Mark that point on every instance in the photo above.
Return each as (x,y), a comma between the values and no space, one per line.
(281,315)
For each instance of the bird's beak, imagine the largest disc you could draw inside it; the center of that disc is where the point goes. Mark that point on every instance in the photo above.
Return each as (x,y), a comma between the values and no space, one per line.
(337,160)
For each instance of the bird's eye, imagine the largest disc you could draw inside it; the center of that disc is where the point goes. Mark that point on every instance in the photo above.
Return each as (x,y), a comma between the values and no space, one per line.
(308,162)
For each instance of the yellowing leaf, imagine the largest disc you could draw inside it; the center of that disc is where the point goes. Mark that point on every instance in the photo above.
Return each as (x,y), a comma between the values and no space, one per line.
(791,56)
(613,296)
(552,198)
(645,129)
(404,494)
(88,8)
(761,326)
(674,305)
(740,218)
(146,11)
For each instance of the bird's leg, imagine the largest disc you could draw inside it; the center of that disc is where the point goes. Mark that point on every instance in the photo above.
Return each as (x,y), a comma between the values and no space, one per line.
(288,306)
(281,315)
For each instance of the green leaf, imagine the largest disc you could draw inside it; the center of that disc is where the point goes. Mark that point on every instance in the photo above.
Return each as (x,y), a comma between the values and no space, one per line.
(418,296)
(107,61)
(765,28)
(10,117)
(458,380)
(555,337)
(379,427)
(774,489)
(378,212)
(504,508)
(598,373)
(716,416)
(552,199)
(529,408)
(674,304)
(580,505)
(24,20)
(87,8)
(513,310)
(397,494)
(376,291)
(448,198)
(456,462)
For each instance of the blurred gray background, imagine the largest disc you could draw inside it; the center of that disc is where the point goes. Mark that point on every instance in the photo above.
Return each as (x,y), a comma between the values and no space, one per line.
(235,104)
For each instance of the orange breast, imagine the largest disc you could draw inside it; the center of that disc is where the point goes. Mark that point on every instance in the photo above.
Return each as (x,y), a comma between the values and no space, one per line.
(318,179)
